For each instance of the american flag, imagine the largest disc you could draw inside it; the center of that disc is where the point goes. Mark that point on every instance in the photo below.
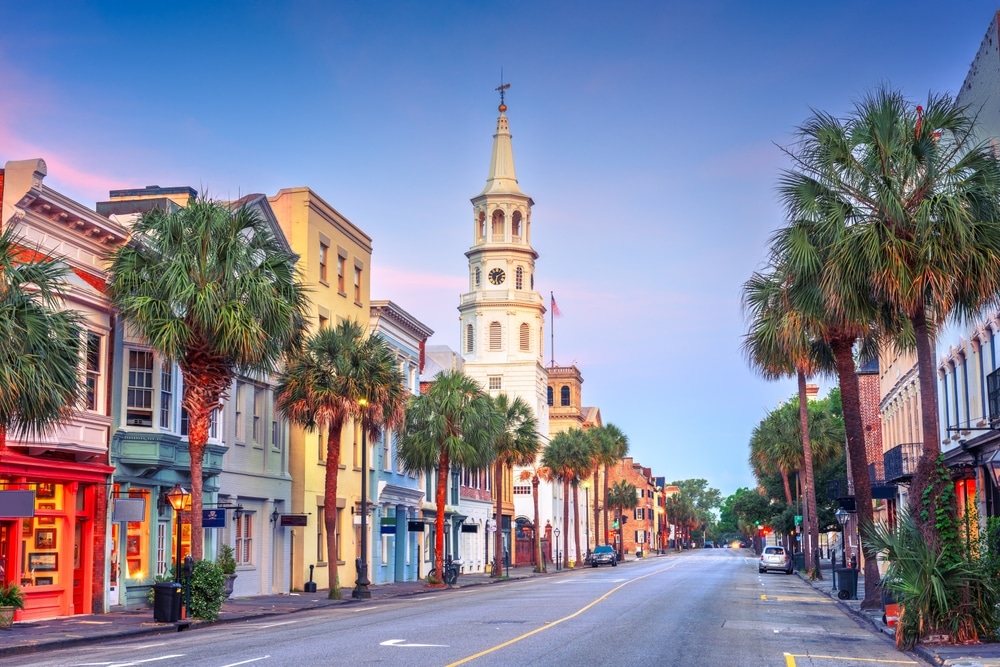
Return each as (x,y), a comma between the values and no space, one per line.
(555,307)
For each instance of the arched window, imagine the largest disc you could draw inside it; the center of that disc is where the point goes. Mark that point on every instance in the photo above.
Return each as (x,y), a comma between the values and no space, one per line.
(550,396)
(496,339)
(498,225)
(479,277)
(564,395)
(481,227)
(515,225)
(519,278)
(470,338)
(525,336)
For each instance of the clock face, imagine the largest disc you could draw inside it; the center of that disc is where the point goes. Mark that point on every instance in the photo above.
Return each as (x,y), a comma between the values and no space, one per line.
(497,276)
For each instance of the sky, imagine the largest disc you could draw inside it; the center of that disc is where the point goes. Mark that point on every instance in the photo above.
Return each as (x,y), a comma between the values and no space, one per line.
(649,135)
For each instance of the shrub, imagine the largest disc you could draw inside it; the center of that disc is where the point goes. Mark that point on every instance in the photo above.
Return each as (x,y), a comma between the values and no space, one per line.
(226,560)
(208,585)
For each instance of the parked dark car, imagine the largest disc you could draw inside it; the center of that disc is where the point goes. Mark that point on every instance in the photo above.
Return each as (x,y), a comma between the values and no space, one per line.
(603,555)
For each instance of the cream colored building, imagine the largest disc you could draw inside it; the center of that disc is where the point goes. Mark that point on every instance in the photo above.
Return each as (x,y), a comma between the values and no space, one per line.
(335,262)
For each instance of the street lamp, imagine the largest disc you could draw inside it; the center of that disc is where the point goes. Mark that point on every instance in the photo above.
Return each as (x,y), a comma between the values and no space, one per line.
(178,497)
(362,590)
(556,533)
(842,516)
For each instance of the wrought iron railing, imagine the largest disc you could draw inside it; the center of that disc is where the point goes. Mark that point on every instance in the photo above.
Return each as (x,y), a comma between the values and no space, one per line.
(900,462)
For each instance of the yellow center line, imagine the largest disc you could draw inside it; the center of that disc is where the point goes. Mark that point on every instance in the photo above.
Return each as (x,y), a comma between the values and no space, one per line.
(790,659)
(555,623)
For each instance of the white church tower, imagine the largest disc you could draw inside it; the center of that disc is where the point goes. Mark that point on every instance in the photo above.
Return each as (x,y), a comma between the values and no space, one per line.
(502,316)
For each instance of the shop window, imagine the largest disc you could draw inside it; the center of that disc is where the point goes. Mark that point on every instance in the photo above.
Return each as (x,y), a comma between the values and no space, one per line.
(139,395)
(244,539)
(40,540)
(137,540)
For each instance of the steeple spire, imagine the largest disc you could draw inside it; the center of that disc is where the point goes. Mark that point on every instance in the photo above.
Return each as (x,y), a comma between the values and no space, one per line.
(501,178)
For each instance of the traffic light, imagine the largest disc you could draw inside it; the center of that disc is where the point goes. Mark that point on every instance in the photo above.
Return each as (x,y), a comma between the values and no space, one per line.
(616,524)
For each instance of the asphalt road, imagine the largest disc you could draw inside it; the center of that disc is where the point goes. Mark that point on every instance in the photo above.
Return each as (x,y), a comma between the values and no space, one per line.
(706,607)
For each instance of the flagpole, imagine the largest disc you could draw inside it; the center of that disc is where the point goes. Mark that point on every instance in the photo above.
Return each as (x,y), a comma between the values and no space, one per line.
(552,328)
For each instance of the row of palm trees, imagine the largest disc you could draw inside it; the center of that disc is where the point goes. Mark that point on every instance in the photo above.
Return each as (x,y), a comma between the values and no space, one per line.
(892,227)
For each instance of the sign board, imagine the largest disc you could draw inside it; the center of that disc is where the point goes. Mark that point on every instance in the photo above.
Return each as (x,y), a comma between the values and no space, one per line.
(213,518)
(798,519)
(17,504)
(128,510)
(388,530)
(415,526)
(388,521)
(470,528)
(293,520)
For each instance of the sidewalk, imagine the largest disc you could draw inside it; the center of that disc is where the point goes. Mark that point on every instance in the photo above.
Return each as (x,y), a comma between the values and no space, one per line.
(68,631)
(973,655)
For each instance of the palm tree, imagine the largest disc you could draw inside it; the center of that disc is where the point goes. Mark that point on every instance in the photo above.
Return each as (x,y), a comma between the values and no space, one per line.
(213,290)
(781,343)
(453,423)
(566,455)
(776,448)
(535,472)
(40,382)
(612,448)
(340,375)
(914,202)
(622,496)
(516,445)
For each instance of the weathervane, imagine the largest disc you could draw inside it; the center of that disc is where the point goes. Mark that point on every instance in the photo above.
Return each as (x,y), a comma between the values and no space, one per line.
(503,87)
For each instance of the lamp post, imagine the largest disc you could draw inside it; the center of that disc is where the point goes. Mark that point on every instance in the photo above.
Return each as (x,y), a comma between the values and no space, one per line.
(842,516)
(178,498)
(362,590)
(556,533)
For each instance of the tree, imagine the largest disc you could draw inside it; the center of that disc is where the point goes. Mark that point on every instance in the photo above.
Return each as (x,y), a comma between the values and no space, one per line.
(535,472)
(341,375)
(612,447)
(566,455)
(516,445)
(453,423)
(622,496)
(213,290)
(40,382)
(913,201)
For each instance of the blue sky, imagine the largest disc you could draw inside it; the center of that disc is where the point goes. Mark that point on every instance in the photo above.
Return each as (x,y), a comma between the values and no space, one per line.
(648,135)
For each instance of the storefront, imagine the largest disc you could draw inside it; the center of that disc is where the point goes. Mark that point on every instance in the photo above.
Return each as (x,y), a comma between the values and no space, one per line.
(54,549)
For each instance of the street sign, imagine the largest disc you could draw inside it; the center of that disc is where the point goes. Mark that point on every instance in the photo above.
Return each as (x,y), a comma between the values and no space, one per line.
(798,519)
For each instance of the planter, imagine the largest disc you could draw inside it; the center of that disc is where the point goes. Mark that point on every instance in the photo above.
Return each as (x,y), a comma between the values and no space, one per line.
(230,580)
(6,617)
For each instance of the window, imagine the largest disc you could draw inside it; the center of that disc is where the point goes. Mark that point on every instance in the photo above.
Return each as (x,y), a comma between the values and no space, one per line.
(340,535)
(238,422)
(496,338)
(550,396)
(244,539)
(321,445)
(161,547)
(258,415)
(481,228)
(470,339)
(640,514)
(139,397)
(498,225)
(341,261)
(324,322)
(522,490)
(276,435)
(525,337)
(519,278)
(166,394)
(387,450)
(564,395)
(93,369)
(320,540)
(479,277)
(324,253)
(495,382)
(357,284)
(515,226)
(213,423)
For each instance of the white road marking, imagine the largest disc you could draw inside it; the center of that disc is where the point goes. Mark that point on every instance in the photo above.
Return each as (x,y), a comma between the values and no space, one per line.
(271,625)
(233,664)
(397,642)
(140,662)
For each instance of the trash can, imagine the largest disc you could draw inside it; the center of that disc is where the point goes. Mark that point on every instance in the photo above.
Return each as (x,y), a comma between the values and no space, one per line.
(847,580)
(800,561)
(167,597)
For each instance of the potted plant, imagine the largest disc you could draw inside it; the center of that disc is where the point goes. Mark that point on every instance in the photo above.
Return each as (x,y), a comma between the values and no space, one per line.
(227,563)
(11,599)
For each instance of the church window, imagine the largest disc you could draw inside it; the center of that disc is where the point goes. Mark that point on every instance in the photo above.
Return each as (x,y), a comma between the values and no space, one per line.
(519,278)
(525,337)
(479,277)
(495,336)
(498,226)
(470,339)
(515,225)
(564,395)
(551,400)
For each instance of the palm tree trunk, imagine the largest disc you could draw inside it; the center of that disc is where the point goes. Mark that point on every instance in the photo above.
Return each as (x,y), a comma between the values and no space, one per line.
(540,560)
(576,521)
(843,350)
(565,531)
(441,498)
(3,437)
(924,477)
(497,568)
(604,502)
(333,444)
(788,487)
(197,439)
(812,526)
(597,525)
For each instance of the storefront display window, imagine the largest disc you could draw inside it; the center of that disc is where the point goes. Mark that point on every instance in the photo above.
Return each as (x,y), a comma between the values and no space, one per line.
(40,539)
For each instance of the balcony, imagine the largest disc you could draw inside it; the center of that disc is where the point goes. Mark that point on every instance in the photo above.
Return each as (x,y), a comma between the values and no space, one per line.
(900,462)
(880,488)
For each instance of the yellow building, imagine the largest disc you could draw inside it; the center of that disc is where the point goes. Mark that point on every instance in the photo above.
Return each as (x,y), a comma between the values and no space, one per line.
(335,262)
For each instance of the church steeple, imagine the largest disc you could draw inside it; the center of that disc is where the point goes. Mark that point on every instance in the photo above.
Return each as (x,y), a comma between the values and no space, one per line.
(502,179)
